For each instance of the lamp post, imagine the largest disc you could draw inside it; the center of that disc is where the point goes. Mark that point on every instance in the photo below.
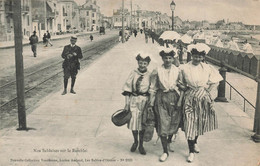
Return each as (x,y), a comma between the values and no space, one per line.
(156,22)
(256,136)
(172,5)
(123,31)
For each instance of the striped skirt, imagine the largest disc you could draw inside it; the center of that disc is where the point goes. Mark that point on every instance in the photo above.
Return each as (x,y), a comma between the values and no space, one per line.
(167,116)
(137,106)
(199,114)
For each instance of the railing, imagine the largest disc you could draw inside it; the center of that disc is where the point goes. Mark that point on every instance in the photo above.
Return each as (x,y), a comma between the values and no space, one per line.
(245,100)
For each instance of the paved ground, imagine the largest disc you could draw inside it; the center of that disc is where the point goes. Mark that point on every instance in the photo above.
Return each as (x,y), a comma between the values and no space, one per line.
(10,44)
(77,129)
(7,55)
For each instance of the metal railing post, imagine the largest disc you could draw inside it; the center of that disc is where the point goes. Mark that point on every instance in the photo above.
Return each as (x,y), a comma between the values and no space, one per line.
(222,85)
(256,129)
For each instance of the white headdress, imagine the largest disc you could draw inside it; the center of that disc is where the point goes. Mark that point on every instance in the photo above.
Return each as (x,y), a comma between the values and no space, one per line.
(143,56)
(168,50)
(200,47)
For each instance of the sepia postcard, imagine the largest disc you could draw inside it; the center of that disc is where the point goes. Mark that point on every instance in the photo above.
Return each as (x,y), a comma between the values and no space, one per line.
(129,82)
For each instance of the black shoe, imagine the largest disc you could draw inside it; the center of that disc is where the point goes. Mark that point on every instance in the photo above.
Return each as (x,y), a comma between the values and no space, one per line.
(141,150)
(134,146)
(64,92)
(72,91)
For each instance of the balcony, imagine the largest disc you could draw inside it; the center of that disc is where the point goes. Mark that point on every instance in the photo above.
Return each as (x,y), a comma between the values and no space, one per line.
(25,9)
(50,15)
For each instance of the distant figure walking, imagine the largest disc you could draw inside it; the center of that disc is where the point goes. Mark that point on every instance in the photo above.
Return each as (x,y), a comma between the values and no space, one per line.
(48,39)
(120,36)
(33,42)
(146,33)
(91,37)
(71,55)
(135,32)
(44,39)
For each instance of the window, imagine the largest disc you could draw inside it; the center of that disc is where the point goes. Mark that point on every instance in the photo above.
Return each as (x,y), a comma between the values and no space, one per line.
(116,19)
(87,13)
(124,19)
(93,14)
(93,21)
(28,20)
(1,4)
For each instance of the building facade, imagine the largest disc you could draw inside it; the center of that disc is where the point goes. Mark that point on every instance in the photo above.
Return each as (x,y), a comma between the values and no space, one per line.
(90,16)
(7,23)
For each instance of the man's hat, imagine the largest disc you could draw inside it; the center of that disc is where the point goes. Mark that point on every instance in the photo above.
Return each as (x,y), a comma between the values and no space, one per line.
(121,117)
(34,31)
(73,37)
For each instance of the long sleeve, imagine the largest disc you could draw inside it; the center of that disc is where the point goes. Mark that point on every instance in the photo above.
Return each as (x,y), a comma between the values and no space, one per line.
(64,52)
(181,82)
(153,86)
(214,76)
(79,53)
(128,86)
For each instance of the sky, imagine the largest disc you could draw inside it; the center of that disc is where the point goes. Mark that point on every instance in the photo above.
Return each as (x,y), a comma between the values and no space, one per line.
(246,11)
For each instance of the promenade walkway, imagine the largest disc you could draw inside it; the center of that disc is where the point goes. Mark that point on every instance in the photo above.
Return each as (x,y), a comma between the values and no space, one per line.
(77,129)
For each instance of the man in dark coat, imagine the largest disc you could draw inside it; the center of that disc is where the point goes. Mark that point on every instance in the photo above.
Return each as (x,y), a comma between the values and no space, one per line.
(135,32)
(48,37)
(120,35)
(33,42)
(71,55)
(146,33)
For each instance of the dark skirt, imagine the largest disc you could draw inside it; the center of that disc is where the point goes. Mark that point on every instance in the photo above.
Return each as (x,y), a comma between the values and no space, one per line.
(167,116)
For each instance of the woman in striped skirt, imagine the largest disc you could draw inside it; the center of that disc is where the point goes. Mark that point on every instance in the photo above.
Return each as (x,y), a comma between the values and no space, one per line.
(198,79)
(136,95)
